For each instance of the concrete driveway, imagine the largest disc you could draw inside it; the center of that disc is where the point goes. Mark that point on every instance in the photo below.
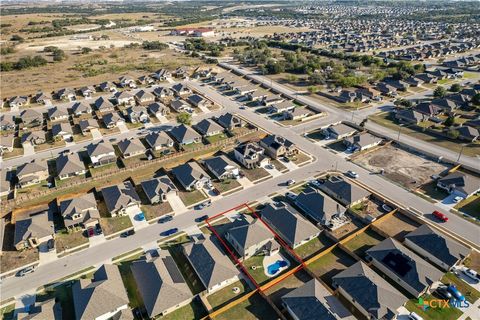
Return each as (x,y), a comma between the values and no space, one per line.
(132,213)
(28,149)
(176,203)
(96,134)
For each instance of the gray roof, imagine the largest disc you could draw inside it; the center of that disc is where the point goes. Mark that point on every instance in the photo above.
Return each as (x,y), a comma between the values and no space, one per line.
(160,283)
(99,149)
(142,94)
(157,139)
(370,291)
(156,107)
(410,114)
(129,146)
(80,204)
(189,172)
(156,186)
(251,234)
(158,91)
(56,112)
(105,293)
(363,139)
(68,164)
(207,126)
(111,118)
(291,225)
(405,264)
(312,301)
(461,181)
(275,142)
(318,205)
(468,132)
(58,128)
(103,104)
(218,164)
(227,120)
(343,189)
(438,245)
(31,167)
(88,123)
(30,114)
(81,107)
(183,133)
(210,261)
(35,225)
(195,99)
(44,310)
(120,196)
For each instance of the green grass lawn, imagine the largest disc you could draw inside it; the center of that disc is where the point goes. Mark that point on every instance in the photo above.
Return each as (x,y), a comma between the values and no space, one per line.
(313,246)
(191,197)
(331,264)
(216,138)
(157,210)
(226,185)
(470,206)
(116,224)
(259,273)
(225,295)
(67,240)
(363,242)
(468,291)
(192,311)
(279,166)
(300,158)
(251,309)
(449,313)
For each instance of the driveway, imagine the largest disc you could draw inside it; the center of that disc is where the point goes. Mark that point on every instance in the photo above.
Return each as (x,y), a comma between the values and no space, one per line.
(448,202)
(123,127)
(245,183)
(290,164)
(28,149)
(272,171)
(46,256)
(176,203)
(96,134)
(132,213)
(96,240)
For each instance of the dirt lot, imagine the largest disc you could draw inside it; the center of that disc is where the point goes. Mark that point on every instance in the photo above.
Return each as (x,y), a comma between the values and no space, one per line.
(397,226)
(405,168)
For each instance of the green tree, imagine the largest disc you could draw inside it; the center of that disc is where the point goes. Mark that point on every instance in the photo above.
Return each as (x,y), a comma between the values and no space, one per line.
(453,134)
(86,50)
(456,87)
(184,118)
(449,121)
(312,89)
(439,92)
(476,99)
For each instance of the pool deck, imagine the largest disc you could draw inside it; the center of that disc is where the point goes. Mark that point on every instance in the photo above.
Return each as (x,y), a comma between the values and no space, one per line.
(268,260)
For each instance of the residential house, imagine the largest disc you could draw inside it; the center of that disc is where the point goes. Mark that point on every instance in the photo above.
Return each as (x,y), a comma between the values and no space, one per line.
(34,138)
(162,92)
(257,95)
(80,211)
(272,99)
(362,141)
(319,207)
(66,94)
(87,125)
(221,167)
(191,176)
(180,72)
(81,108)
(158,189)
(409,116)
(158,140)
(197,101)
(162,75)
(468,133)
(137,114)
(124,98)
(313,301)
(427,109)
(7,122)
(31,117)
(213,267)
(101,154)
(208,128)
(120,198)
(180,89)
(42,98)
(5,188)
(282,106)
(184,135)
(131,147)
(372,295)
(436,247)
(18,101)
(56,114)
(459,184)
(107,87)
(345,192)
(445,104)
(277,146)
(398,84)
(144,97)
(146,80)
(401,265)
(251,239)
(103,297)
(338,131)
(294,229)
(158,109)
(160,284)
(413,81)
(87,92)
(33,229)
(104,105)
(112,120)
(230,121)
(32,173)
(69,165)
(386,89)
(297,114)
(7,143)
(127,82)
(250,155)
(179,105)
(48,309)
(426,78)
(62,130)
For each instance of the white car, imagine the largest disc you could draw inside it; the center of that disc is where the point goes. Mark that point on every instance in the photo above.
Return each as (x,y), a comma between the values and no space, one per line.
(290,182)
(352,174)
(315,183)
(471,274)
(457,199)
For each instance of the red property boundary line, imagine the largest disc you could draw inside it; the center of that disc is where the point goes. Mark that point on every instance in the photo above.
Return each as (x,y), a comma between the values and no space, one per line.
(236,259)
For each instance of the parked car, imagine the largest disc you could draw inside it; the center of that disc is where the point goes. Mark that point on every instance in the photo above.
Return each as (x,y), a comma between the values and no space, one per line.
(202,218)
(90,232)
(286,159)
(442,292)
(165,219)
(140,216)
(457,199)
(127,233)
(169,232)
(98,229)
(315,183)
(440,216)
(290,182)
(51,244)
(386,208)
(472,274)
(290,196)
(216,191)
(25,271)
(457,295)
(352,174)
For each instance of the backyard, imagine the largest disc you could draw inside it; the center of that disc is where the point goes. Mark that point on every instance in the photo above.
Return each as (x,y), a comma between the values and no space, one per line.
(364,241)
(331,264)
(313,246)
(252,308)
(225,295)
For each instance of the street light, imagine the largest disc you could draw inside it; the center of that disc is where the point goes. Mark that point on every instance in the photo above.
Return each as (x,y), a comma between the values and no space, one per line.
(461,151)
(399,130)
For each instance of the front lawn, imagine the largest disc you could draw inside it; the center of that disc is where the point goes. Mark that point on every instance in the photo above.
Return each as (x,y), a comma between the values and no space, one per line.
(468,291)
(256,174)
(114,225)
(300,158)
(226,185)
(157,210)
(65,240)
(191,197)
(449,313)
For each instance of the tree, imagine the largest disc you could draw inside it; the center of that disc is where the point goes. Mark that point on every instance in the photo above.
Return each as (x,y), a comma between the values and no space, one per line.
(59,55)
(154,45)
(449,121)
(312,89)
(456,87)
(184,118)
(453,134)
(476,99)
(439,92)
(86,50)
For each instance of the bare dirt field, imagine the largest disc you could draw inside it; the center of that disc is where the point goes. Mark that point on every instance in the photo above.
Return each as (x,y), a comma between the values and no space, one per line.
(405,168)
(397,226)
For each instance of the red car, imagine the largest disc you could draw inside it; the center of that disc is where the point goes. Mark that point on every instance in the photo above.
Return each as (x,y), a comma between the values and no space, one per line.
(90,232)
(440,216)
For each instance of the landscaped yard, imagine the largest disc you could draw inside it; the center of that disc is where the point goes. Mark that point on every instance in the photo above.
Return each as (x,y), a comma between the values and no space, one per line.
(470,206)
(194,310)
(259,273)
(226,185)
(67,240)
(313,246)
(300,158)
(191,197)
(256,174)
(331,264)
(468,291)
(216,138)
(363,242)
(157,210)
(449,313)
(225,295)
(253,308)
(279,165)
(116,224)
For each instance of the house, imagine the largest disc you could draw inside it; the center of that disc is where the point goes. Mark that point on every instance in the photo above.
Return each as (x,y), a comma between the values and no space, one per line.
(369,92)
(221,167)
(127,82)
(313,301)
(66,94)
(180,72)
(104,105)
(101,154)
(197,101)
(180,89)
(386,89)
(80,211)
(162,75)
(33,229)
(208,128)
(87,125)
(124,98)
(160,284)
(338,131)
(162,92)
(398,84)
(48,309)
(445,104)
(112,120)
(250,155)
(230,121)
(34,138)
(180,106)
(251,239)
(31,118)
(81,108)
(272,99)
(436,247)
(146,80)
(426,78)
(69,165)
(103,297)
(211,264)
(7,122)
(184,135)
(297,114)
(144,97)
(120,198)
(87,92)
(131,147)
(413,81)
(468,133)
(42,98)
(32,173)
(362,141)
(62,130)
(257,95)
(427,109)
(409,116)
(137,114)
(158,109)
(159,140)
(7,143)
(282,106)
(191,176)
(319,207)
(18,101)
(372,295)
(345,192)
(158,189)
(459,184)
(401,265)
(107,87)
(277,146)
(294,229)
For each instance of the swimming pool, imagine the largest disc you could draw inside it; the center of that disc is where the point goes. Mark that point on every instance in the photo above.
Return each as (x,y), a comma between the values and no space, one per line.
(276,266)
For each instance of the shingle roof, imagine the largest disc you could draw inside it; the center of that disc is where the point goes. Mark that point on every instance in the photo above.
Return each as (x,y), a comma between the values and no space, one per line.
(207,126)
(31,167)
(67,164)
(183,133)
(129,146)
(156,186)
(461,181)
(251,234)
(350,192)
(188,173)
(227,120)
(157,139)
(35,225)
(318,205)
(58,128)
(99,149)
(218,164)
(120,196)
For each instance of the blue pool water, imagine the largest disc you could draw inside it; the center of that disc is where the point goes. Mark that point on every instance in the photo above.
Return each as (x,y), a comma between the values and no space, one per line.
(275,267)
